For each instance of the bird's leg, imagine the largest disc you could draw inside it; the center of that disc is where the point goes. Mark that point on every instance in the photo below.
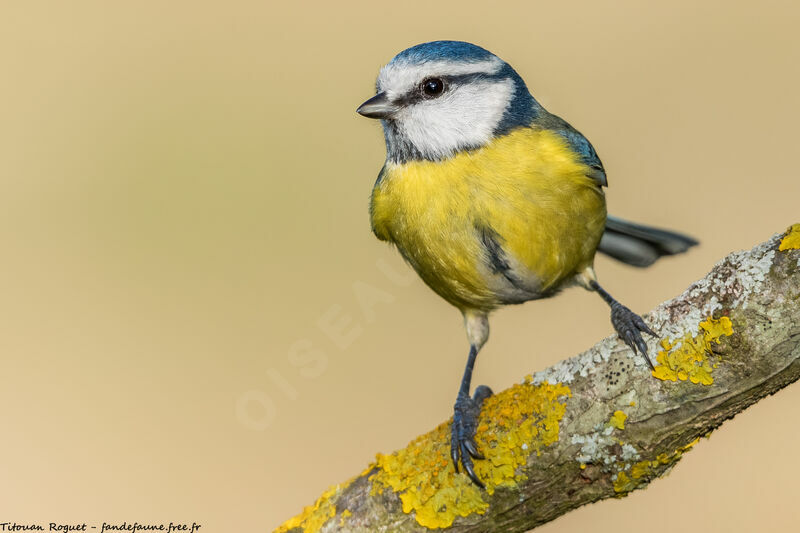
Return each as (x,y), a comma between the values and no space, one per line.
(628,324)
(465,421)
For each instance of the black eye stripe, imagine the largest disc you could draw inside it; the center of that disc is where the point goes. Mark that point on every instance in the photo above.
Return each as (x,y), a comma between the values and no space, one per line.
(461,79)
(416,95)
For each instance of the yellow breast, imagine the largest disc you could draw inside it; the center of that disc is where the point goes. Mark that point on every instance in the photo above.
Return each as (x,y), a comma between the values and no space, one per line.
(528,187)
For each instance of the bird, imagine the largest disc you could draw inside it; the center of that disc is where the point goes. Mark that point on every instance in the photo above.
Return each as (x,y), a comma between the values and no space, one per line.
(494,201)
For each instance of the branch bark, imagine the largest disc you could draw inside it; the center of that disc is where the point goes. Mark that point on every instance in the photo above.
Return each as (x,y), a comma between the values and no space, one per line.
(600,424)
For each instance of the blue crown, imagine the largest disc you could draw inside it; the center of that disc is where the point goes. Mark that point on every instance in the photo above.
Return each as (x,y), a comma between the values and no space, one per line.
(438,50)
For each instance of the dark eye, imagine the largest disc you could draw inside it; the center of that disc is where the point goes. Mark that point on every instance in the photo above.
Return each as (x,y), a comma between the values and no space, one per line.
(432,87)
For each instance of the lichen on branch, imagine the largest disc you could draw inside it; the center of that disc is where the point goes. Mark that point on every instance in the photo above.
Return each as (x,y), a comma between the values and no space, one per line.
(597,425)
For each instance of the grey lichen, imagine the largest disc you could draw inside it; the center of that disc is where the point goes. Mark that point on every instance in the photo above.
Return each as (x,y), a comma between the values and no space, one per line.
(597,456)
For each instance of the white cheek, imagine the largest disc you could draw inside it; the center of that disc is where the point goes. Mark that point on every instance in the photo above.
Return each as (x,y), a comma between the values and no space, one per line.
(464,118)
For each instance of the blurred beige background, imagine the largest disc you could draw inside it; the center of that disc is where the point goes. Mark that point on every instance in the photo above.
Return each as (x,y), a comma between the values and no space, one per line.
(184,208)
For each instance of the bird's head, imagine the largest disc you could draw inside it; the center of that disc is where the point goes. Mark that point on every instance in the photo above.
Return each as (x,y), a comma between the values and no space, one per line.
(439,98)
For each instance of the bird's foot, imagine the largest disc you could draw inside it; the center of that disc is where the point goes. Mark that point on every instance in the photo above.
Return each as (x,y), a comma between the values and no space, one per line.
(630,326)
(462,438)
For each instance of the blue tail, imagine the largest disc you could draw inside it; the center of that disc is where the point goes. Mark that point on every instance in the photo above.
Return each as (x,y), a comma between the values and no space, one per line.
(639,245)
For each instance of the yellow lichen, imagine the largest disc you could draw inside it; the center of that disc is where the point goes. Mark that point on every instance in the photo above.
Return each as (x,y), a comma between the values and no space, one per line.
(647,468)
(513,424)
(791,241)
(641,469)
(687,358)
(690,445)
(644,470)
(345,514)
(314,516)
(617,420)
(623,483)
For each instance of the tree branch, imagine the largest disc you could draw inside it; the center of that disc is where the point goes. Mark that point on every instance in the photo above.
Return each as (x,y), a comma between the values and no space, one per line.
(599,424)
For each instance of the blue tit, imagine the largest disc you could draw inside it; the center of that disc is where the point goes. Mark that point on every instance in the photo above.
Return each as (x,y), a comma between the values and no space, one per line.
(493,200)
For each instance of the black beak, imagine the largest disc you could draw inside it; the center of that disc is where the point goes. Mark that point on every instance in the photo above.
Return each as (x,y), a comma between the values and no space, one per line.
(378,106)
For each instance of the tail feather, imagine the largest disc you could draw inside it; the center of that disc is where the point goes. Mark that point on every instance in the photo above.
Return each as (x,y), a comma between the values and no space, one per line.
(640,245)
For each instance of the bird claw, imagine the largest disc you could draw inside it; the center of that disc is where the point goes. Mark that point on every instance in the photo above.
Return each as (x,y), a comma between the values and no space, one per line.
(630,326)
(462,438)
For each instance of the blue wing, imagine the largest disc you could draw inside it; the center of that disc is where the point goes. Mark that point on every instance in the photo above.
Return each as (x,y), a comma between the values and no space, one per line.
(577,142)
(582,145)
